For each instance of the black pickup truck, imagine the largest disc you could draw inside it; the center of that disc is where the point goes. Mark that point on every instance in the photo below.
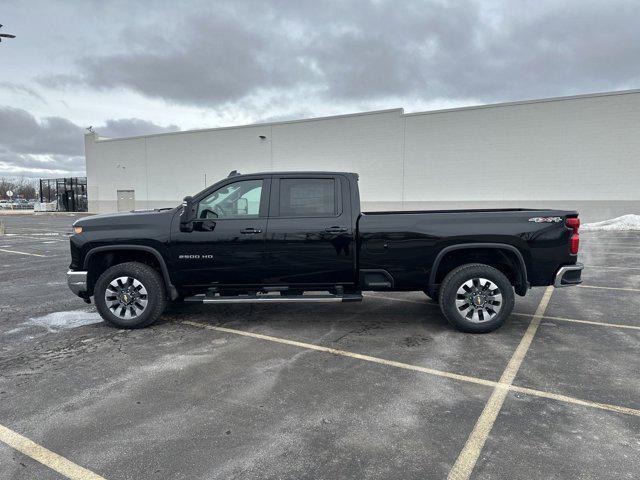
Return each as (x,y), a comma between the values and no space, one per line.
(301,237)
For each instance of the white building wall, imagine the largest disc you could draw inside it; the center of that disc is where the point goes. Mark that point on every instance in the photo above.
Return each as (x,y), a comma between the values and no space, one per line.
(576,149)
(577,152)
(370,145)
(113,166)
(184,164)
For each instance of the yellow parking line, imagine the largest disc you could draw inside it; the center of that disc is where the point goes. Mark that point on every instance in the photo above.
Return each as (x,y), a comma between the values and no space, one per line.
(344,353)
(46,457)
(544,317)
(468,457)
(11,236)
(592,243)
(611,288)
(607,267)
(576,401)
(21,253)
(576,320)
(612,252)
(417,368)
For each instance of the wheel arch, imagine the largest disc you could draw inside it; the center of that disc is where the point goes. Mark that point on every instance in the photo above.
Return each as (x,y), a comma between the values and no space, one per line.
(518,277)
(92,254)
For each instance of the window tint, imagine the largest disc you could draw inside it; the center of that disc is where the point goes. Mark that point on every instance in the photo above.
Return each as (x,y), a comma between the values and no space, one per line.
(307,197)
(236,200)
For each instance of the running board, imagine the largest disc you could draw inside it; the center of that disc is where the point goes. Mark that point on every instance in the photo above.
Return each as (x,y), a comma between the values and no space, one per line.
(347,297)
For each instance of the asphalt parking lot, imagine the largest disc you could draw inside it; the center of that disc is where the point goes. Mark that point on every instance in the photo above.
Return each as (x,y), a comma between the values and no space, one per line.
(381,389)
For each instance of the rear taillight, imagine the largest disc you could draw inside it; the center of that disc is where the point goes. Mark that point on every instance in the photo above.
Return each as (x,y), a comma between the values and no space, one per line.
(574,242)
(573,222)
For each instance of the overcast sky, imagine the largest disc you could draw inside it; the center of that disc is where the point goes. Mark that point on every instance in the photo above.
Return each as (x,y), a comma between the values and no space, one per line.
(136,67)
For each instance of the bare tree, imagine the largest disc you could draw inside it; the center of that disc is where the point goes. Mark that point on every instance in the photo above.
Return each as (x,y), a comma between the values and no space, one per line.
(4,186)
(21,188)
(26,188)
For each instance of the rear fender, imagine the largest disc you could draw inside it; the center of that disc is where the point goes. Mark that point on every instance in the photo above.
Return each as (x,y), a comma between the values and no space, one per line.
(520,286)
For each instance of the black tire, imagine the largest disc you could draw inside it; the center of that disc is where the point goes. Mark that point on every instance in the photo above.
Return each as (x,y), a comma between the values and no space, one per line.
(488,319)
(433,296)
(155,294)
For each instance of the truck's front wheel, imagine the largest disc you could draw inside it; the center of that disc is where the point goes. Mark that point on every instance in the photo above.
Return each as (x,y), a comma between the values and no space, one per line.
(476,298)
(130,295)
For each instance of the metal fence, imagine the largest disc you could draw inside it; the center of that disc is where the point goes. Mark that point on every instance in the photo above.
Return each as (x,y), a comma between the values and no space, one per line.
(67,194)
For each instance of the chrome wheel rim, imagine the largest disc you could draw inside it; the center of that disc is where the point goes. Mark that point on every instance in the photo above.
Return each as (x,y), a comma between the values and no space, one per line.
(126,297)
(478,300)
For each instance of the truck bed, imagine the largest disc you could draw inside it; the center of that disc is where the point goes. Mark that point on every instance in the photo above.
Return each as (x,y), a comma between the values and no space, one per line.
(467,210)
(406,243)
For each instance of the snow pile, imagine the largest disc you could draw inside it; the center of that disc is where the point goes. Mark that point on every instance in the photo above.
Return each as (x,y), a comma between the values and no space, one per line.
(625,222)
(65,320)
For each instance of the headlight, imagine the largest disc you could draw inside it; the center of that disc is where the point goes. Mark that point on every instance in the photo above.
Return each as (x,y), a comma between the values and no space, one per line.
(77,229)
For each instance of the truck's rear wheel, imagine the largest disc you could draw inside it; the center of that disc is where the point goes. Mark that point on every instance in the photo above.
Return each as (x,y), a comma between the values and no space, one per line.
(130,295)
(476,298)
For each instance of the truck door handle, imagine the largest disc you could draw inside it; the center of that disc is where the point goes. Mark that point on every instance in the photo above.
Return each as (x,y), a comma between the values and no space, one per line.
(250,231)
(335,229)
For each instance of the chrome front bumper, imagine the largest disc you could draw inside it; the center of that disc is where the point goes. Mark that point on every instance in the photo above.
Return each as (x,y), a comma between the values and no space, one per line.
(77,282)
(569,275)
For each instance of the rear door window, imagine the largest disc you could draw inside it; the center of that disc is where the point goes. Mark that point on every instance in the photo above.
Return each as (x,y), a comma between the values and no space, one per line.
(308,197)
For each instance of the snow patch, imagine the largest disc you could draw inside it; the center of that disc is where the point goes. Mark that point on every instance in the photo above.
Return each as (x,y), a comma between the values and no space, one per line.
(65,320)
(625,222)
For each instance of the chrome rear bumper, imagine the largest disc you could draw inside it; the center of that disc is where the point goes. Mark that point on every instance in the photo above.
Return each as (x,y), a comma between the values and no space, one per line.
(77,282)
(569,275)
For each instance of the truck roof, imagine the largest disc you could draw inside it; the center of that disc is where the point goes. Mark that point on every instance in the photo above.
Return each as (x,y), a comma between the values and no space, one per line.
(295,172)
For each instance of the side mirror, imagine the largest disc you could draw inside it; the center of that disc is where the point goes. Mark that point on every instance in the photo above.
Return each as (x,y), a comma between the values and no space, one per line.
(188,214)
(242,206)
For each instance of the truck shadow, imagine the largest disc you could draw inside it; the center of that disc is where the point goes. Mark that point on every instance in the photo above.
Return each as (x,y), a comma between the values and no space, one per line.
(366,316)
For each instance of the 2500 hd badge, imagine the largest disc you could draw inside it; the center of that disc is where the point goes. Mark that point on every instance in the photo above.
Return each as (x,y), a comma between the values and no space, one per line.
(195,257)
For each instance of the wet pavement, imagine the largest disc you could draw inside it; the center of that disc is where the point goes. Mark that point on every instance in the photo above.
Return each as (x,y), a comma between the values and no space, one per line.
(183,402)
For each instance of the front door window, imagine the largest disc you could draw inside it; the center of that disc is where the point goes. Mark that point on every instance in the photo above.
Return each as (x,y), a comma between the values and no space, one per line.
(236,200)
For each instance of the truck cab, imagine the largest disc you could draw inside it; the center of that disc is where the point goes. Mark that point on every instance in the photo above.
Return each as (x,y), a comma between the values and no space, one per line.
(293,230)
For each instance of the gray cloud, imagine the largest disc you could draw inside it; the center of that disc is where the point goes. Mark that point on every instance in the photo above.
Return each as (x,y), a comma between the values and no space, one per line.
(58,80)
(22,133)
(62,163)
(128,127)
(362,50)
(273,60)
(218,60)
(22,89)
(54,145)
